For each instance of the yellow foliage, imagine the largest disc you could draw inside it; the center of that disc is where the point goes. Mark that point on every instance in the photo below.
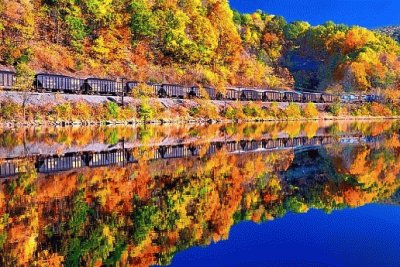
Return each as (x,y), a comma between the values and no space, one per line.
(310,110)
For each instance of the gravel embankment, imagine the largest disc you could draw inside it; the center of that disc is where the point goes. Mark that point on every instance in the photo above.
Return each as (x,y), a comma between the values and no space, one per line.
(53,99)
(44,99)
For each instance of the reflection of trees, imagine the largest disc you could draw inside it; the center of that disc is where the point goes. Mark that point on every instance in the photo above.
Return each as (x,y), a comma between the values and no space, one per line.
(144,213)
(20,219)
(151,134)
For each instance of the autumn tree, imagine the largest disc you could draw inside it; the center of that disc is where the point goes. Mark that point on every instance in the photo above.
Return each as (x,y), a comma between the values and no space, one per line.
(24,82)
(17,29)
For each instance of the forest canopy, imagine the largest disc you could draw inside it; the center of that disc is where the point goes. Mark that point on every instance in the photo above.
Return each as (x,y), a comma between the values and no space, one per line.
(193,42)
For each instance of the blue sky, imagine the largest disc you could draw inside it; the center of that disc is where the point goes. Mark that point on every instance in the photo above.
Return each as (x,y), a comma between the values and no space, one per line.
(366,13)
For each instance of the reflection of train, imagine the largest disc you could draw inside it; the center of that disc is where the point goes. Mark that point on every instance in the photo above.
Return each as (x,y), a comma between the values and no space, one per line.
(66,84)
(121,156)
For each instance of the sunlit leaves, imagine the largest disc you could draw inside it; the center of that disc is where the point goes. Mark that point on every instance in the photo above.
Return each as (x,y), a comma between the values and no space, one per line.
(295,30)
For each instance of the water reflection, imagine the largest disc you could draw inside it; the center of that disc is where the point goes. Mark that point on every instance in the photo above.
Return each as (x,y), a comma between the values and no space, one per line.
(137,196)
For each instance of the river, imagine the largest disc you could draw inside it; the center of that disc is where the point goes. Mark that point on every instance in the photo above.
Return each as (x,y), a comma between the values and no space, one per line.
(251,194)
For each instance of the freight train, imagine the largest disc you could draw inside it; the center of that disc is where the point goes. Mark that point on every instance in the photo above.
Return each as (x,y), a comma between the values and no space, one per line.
(91,86)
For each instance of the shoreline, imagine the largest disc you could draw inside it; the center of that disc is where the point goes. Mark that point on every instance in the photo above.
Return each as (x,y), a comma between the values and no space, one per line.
(78,123)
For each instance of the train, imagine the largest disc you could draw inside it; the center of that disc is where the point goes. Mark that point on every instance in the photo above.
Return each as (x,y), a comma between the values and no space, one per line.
(44,82)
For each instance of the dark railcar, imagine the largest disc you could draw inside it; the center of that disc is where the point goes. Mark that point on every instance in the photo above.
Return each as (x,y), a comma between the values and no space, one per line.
(169,152)
(130,86)
(329,98)
(270,95)
(9,168)
(371,98)
(292,96)
(250,145)
(59,83)
(312,97)
(103,86)
(232,93)
(60,163)
(156,89)
(7,80)
(106,158)
(130,157)
(213,93)
(350,98)
(194,150)
(194,92)
(172,90)
(251,95)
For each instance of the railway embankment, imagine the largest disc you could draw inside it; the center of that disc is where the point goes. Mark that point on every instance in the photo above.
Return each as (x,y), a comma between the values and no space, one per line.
(71,109)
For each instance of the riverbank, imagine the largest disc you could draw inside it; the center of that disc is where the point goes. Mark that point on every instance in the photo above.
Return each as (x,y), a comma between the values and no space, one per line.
(32,109)
(10,124)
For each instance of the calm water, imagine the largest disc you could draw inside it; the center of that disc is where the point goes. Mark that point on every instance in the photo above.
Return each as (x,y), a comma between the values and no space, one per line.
(276,194)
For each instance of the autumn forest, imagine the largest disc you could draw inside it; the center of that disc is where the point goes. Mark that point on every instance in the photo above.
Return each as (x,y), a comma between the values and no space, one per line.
(193,42)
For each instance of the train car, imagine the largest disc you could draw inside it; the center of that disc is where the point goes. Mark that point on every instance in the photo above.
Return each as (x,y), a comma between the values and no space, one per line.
(58,83)
(251,95)
(59,163)
(216,95)
(349,98)
(312,97)
(273,96)
(130,86)
(170,152)
(103,87)
(213,93)
(156,89)
(247,145)
(344,98)
(329,98)
(172,90)
(7,80)
(292,96)
(194,150)
(232,94)
(371,98)
(130,157)
(9,168)
(195,91)
(105,158)
(376,98)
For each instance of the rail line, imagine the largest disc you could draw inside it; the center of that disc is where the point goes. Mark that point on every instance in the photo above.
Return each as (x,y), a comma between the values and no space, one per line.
(95,86)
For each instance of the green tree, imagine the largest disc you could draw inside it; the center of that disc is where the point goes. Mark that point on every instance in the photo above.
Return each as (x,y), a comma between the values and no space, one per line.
(113,110)
(295,29)
(145,111)
(143,24)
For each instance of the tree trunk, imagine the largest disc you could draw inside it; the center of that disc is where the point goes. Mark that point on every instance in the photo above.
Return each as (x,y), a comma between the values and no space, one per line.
(23,111)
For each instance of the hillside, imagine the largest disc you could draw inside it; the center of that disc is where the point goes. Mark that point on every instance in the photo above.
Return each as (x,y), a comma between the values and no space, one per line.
(191,42)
